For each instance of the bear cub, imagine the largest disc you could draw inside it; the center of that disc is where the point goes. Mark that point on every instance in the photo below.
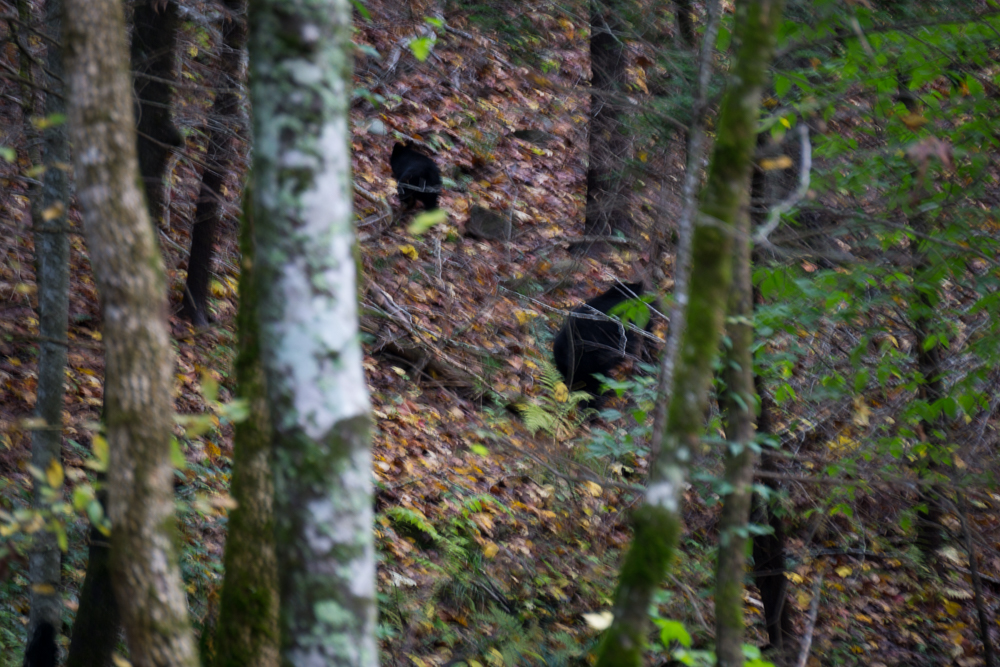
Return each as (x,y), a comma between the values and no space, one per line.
(585,347)
(417,176)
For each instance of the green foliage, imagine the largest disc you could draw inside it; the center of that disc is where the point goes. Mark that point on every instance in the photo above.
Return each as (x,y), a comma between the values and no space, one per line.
(555,411)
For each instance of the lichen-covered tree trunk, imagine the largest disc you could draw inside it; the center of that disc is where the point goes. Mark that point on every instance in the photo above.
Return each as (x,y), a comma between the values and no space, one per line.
(154,40)
(657,521)
(247,632)
(300,57)
(138,356)
(738,403)
(607,191)
(225,139)
(48,215)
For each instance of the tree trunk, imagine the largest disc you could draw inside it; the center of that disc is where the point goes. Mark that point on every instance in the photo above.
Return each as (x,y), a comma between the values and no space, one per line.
(139,360)
(696,149)
(769,548)
(302,195)
(95,630)
(738,403)
(49,204)
(657,521)
(924,300)
(247,631)
(607,190)
(224,141)
(154,39)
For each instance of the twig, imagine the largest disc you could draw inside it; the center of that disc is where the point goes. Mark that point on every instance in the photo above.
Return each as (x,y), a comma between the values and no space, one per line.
(811,622)
(774,215)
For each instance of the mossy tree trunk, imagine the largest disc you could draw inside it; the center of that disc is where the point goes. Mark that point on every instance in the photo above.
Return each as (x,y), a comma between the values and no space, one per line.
(657,521)
(738,403)
(226,140)
(247,632)
(301,73)
(139,360)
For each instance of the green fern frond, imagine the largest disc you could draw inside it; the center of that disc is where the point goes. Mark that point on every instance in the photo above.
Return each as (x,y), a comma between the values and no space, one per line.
(413,519)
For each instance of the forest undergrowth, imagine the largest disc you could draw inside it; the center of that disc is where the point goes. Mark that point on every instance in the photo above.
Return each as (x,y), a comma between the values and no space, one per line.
(493,540)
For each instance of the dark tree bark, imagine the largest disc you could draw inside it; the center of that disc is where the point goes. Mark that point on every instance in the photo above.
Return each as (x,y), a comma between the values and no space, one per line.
(226,139)
(926,293)
(95,630)
(154,40)
(49,204)
(607,189)
(247,632)
(769,549)
(138,397)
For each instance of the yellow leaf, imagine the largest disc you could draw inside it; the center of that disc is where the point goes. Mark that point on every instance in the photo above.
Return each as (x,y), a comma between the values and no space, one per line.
(561,393)
(54,474)
(594,489)
(643,156)
(525,316)
(862,413)
(53,212)
(794,577)
(120,661)
(193,51)
(953,608)
(491,549)
(780,162)
(844,571)
(914,121)
(409,251)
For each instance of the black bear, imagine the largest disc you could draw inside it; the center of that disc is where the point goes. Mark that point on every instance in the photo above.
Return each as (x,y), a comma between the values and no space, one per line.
(42,650)
(416,175)
(596,344)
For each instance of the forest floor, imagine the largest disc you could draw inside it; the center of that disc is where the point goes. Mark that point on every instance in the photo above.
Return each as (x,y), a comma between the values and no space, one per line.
(494,542)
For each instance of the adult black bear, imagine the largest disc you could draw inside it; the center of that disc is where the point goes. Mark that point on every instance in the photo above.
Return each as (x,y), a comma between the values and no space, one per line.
(416,175)
(595,344)
(42,650)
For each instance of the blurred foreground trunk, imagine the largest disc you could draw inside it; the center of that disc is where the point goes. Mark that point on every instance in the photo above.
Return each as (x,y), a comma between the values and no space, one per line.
(247,631)
(139,359)
(657,521)
(300,55)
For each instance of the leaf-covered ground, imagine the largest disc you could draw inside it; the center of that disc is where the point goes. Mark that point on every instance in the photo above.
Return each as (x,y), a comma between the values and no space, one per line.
(493,542)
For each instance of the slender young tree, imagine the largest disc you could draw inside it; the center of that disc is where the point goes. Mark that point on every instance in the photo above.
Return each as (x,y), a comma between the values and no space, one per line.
(300,57)
(247,631)
(738,403)
(657,521)
(607,191)
(138,356)
(226,140)
(49,203)
(154,41)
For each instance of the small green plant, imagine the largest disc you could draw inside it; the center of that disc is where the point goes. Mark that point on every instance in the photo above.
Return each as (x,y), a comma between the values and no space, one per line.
(556,411)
